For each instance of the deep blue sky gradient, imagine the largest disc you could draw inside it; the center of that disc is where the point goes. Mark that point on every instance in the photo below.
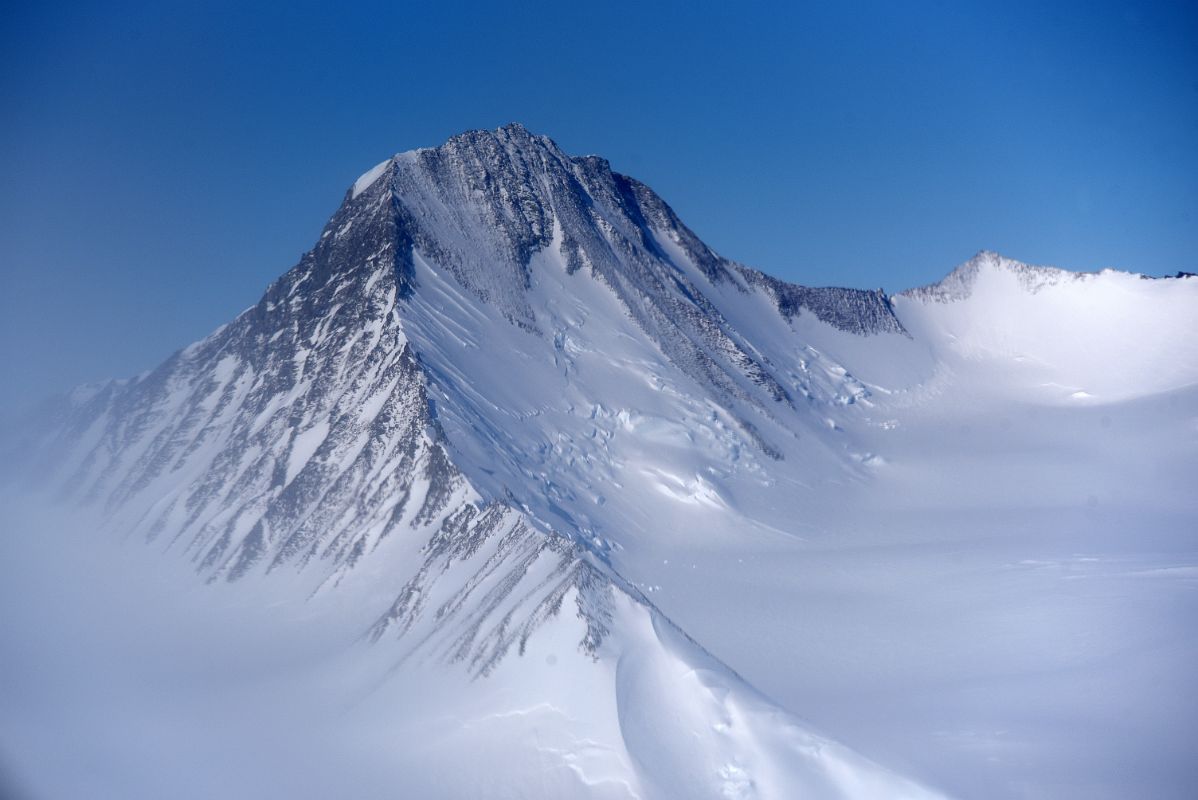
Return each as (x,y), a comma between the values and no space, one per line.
(160,163)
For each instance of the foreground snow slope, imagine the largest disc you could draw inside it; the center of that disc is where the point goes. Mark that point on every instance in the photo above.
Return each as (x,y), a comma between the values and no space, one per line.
(511,416)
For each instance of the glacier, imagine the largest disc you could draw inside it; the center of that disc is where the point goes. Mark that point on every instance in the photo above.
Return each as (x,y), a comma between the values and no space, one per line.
(513,487)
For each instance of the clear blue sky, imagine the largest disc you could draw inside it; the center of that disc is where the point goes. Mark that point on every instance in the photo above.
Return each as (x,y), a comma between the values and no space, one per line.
(160,163)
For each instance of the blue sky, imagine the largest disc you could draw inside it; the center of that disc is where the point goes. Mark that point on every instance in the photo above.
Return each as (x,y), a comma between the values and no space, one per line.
(160,163)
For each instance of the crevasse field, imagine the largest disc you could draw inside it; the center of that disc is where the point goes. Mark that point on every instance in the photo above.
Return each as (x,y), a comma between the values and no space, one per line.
(513,488)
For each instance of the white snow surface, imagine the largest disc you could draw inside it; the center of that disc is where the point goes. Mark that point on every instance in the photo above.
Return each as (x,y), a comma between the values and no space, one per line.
(620,526)
(367,178)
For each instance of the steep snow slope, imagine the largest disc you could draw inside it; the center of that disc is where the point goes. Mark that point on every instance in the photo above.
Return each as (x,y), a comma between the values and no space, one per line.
(511,415)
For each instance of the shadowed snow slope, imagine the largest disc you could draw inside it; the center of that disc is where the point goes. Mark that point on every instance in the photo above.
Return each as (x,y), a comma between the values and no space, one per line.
(510,428)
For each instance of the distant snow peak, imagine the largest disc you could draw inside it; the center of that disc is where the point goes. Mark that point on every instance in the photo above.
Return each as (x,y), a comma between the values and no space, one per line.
(959,284)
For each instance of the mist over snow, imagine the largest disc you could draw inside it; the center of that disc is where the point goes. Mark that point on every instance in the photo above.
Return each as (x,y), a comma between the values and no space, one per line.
(512,487)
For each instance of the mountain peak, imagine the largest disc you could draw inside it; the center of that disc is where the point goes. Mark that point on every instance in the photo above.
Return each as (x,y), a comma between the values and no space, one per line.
(502,215)
(481,204)
(480,144)
(512,136)
(961,282)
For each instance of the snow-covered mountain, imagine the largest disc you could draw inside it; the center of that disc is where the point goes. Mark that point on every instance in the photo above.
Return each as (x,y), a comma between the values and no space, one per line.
(511,421)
